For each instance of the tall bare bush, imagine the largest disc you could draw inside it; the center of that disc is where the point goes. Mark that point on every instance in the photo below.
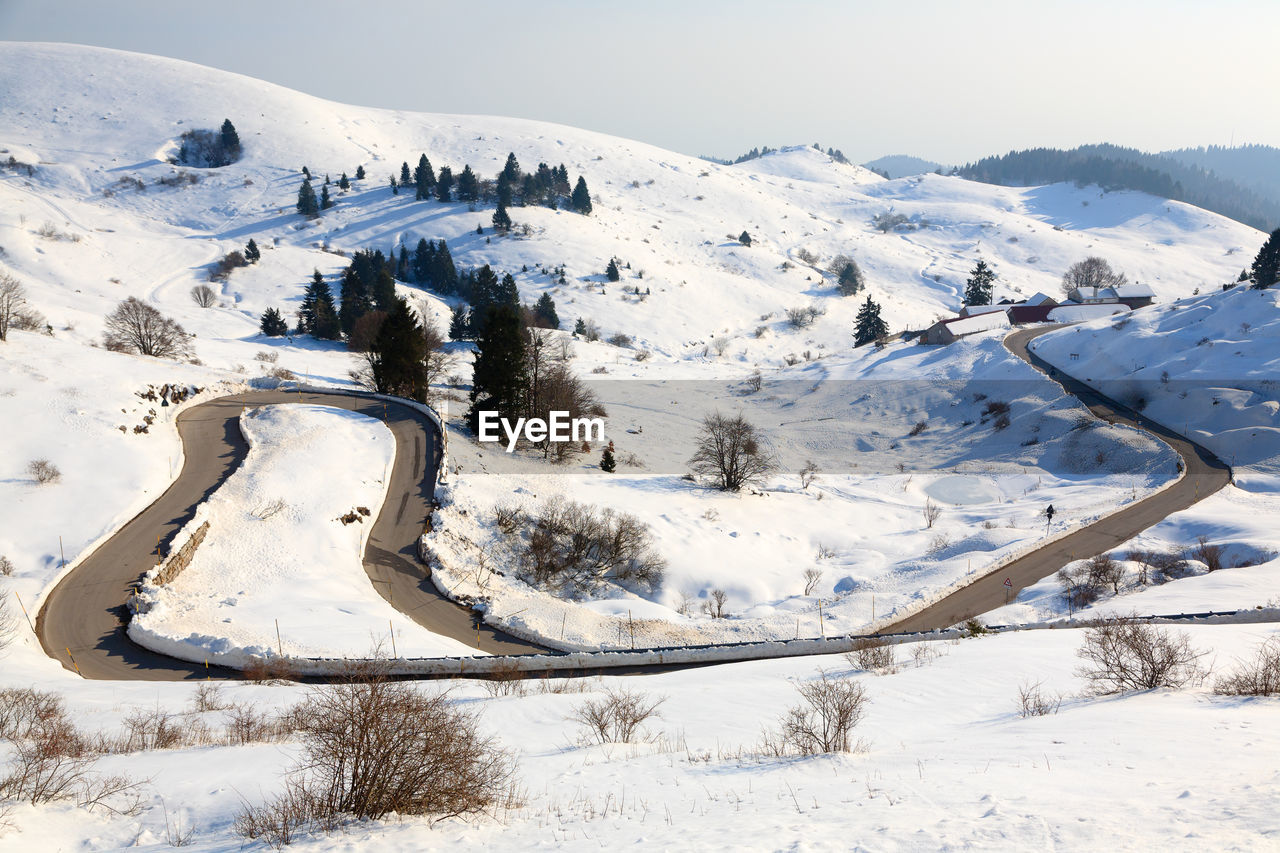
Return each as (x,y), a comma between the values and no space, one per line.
(134,326)
(1127,654)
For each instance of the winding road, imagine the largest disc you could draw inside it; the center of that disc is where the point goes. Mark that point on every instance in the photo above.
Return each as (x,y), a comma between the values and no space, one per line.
(83,620)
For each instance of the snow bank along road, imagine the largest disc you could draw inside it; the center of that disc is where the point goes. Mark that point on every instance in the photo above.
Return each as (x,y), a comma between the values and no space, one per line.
(1205,474)
(86,613)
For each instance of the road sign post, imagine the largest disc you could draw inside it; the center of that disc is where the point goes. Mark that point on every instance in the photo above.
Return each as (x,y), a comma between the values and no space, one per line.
(1008,588)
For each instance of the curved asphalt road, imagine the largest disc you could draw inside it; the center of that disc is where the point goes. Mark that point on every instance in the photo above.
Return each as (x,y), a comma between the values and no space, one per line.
(1205,474)
(86,612)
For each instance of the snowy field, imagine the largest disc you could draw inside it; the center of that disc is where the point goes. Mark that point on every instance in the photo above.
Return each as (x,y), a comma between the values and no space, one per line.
(946,762)
(277,555)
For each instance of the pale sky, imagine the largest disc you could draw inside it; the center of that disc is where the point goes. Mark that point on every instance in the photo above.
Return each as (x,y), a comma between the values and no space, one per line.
(948,81)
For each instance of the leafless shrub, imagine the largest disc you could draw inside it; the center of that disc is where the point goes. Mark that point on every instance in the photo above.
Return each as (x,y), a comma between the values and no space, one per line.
(507,517)
(620,340)
(1210,555)
(13,300)
(591,330)
(920,427)
(715,606)
(825,721)
(268,357)
(873,655)
(995,407)
(204,296)
(932,512)
(720,345)
(374,747)
(1078,587)
(731,452)
(1257,677)
(208,697)
(1001,422)
(1105,572)
(8,626)
(43,471)
(1033,701)
(270,508)
(1170,564)
(577,545)
(812,577)
(1126,654)
(643,355)
(243,724)
(505,679)
(803,316)
(808,473)
(6,566)
(50,231)
(938,544)
(151,728)
(616,718)
(224,265)
(754,382)
(806,256)
(272,670)
(283,374)
(134,326)
(825,552)
(547,684)
(25,711)
(923,654)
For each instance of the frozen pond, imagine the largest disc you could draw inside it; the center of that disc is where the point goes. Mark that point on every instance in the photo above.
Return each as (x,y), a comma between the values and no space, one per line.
(962,489)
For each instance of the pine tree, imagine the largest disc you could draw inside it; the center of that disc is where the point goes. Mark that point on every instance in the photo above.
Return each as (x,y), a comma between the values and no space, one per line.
(580,327)
(359,173)
(306,173)
(607,462)
(1265,270)
(402,266)
(508,293)
(273,324)
(444,276)
(424,178)
(980,287)
(498,380)
(398,353)
(870,327)
(356,300)
(501,219)
(423,261)
(468,185)
(384,290)
(511,171)
(230,141)
(395,188)
(251,252)
(317,316)
(444,184)
(581,199)
(545,312)
(405,177)
(744,238)
(325,201)
(849,281)
(612,270)
(307,204)
(506,195)
(344,183)
(459,324)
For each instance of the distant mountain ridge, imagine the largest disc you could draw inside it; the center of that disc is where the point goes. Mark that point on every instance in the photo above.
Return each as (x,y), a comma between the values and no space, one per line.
(901,166)
(1174,176)
(1254,166)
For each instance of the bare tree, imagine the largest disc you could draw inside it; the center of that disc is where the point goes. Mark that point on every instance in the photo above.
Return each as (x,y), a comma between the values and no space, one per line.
(137,327)
(8,622)
(1091,272)
(43,471)
(1257,677)
(12,299)
(731,452)
(931,512)
(1033,701)
(617,717)
(204,295)
(812,577)
(437,360)
(1127,654)
(873,655)
(1105,572)
(832,708)
(715,607)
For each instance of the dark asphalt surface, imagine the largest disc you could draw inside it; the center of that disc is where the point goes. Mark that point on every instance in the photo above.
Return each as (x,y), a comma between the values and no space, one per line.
(84,618)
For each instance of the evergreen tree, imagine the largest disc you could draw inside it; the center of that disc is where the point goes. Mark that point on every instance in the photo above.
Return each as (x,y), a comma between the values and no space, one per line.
(325,201)
(356,300)
(870,327)
(744,238)
(317,316)
(581,199)
(384,291)
(508,293)
(273,324)
(545,312)
(560,176)
(501,219)
(444,184)
(980,287)
(306,173)
(498,380)
(405,177)
(395,188)
(424,257)
(580,327)
(468,185)
(506,192)
(607,462)
(230,140)
(359,173)
(398,353)
(612,270)
(459,324)
(424,178)
(251,252)
(849,281)
(1265,270)
(344,183)
(511,171)
(402,266)
(307,204)
(444,276)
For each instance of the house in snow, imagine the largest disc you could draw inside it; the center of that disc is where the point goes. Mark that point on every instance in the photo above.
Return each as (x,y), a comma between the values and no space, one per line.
(949,331)
(1130,295)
